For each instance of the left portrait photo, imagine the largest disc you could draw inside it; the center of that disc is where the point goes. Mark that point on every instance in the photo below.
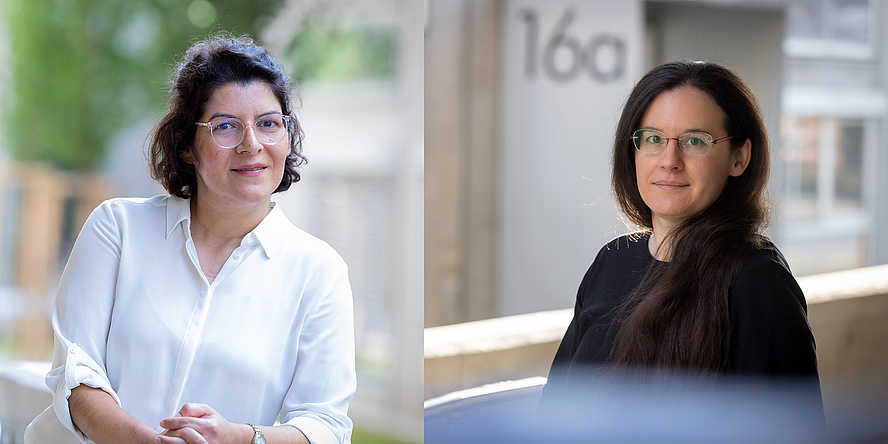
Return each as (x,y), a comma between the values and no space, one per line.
(211,221)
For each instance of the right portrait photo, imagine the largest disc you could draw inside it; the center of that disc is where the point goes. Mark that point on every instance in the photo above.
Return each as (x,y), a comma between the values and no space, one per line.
(656,221)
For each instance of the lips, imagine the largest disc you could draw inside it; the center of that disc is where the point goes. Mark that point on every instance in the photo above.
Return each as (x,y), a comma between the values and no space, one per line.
(251,167)
(670,184)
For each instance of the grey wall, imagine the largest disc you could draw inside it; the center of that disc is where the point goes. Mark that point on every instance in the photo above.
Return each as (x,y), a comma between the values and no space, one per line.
(555,207)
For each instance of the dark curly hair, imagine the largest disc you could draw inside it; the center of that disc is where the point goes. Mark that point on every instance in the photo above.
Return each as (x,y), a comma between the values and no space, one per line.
(206,66)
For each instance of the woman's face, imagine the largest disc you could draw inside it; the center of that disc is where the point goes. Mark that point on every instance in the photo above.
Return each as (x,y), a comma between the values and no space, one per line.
(248,173)
(673,184)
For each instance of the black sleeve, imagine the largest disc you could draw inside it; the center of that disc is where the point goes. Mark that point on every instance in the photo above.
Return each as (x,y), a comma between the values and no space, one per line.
(557,378)
(586,345)
(570,342)
(770,334)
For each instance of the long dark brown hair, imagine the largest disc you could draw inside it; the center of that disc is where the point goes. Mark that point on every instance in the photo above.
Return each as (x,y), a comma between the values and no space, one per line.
(677,318)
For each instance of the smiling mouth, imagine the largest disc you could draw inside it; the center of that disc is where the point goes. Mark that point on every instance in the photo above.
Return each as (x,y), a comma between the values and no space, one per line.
(669,184)
(250,169)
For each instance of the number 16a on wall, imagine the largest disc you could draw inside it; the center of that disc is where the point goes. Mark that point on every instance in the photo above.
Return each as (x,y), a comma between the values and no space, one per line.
(561,56)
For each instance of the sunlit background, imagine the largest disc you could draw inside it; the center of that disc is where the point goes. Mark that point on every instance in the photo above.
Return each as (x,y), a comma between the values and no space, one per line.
(84,81)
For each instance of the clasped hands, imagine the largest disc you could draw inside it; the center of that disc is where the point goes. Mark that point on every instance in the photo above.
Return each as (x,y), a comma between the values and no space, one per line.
(200,424)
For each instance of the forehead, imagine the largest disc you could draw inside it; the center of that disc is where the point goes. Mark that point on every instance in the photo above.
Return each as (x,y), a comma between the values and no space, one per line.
(242,98)
(683,109)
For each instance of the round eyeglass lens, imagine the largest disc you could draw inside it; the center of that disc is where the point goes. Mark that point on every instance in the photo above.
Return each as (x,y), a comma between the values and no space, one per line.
(271,129)
(229,133)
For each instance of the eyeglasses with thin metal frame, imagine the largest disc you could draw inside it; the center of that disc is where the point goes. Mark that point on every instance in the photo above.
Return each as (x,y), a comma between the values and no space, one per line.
(696,143)
(229,132)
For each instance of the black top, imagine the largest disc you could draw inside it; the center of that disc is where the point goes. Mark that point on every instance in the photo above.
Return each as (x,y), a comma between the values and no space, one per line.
(770,335)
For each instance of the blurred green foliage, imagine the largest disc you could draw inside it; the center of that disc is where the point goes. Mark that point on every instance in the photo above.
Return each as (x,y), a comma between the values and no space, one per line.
(366,436)
(329,50)
(82,69)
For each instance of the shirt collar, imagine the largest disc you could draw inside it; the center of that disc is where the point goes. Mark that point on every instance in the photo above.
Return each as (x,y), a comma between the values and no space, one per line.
(270,230)
(178,210)
(266,234)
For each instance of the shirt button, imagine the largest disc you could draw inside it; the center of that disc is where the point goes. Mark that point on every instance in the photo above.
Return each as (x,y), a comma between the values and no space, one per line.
(236,256)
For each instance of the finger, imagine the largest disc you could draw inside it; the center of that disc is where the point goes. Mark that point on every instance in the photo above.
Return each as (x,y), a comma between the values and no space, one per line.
(187,434)
(163,439)
(178,422)
(196,410)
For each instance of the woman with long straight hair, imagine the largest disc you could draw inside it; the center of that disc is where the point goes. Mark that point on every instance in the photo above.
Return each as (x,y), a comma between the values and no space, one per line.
(698,289)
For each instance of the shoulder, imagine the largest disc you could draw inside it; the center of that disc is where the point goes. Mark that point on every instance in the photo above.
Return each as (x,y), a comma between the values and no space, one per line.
(620,263)
(626,243)
(119,211)
(624,246)
(767,259)
(764,296)
(133,206)
(294,244)
(630,247)
(766,279)
(301,240)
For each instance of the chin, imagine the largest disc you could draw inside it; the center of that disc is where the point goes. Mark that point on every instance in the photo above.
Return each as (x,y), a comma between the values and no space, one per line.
(256,196)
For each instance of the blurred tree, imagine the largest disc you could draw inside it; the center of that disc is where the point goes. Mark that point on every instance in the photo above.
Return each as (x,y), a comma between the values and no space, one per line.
(329,47)
(82,69)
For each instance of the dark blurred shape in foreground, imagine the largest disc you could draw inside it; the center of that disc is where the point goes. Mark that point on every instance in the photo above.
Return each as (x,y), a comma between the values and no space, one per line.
(677,411)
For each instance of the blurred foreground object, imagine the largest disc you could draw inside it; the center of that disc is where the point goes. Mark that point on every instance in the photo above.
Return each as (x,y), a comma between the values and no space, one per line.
(611,410)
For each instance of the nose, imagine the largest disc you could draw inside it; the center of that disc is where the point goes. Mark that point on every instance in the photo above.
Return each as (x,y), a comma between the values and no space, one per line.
(251,143)
(671,156)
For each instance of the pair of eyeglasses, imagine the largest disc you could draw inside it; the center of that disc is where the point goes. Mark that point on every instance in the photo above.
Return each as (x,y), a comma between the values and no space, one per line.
(694,143)
(229,132)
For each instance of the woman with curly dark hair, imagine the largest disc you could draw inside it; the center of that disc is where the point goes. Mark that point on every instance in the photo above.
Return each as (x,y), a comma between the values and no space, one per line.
(699,289)
(203,316)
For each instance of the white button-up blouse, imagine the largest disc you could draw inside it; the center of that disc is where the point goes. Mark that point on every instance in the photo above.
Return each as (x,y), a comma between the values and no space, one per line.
(135,316)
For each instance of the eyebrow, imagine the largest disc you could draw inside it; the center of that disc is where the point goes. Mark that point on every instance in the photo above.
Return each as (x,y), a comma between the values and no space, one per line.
(688,130)
(232,116)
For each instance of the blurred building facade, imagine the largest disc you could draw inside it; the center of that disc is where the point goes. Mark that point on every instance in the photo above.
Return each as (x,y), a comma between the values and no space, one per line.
(362,193)
(522,99)
(835,121)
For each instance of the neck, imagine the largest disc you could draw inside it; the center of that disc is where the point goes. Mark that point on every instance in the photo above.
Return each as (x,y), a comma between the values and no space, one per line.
(215,225)
(659,249)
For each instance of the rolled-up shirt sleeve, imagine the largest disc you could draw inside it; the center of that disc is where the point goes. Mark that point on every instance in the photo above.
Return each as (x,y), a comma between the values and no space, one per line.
(324,380)
(82,314)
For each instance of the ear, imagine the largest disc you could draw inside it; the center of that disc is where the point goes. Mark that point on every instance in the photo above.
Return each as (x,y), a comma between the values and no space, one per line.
(187,156)
(740,158)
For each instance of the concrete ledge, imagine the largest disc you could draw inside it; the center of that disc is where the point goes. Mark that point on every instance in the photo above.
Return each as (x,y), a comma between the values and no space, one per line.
(23,395)
(841,285)
(466,355)
(496,334)
(847,310)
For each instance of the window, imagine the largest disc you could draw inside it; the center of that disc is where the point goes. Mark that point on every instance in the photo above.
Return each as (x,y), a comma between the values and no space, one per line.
(824,164)
(825,207)
(844,20)
(841,29)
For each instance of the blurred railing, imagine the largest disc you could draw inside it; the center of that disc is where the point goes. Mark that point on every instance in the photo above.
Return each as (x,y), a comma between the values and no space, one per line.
(847,311)
(23,395)
(41,211)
